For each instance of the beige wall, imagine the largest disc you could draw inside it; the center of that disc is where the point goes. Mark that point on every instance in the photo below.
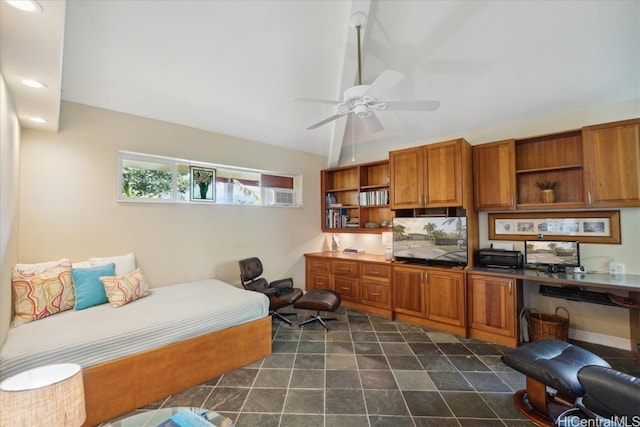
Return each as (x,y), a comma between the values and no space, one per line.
(69,209)
(9,163)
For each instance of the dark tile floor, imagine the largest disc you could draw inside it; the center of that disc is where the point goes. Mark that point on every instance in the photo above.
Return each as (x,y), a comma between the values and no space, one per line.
(370,371)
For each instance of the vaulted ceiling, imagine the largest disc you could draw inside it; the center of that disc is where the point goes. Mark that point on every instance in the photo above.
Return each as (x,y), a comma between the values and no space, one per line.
(232,67)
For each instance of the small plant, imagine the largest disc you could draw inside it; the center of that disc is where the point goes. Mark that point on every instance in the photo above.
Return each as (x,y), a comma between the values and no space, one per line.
(546,185)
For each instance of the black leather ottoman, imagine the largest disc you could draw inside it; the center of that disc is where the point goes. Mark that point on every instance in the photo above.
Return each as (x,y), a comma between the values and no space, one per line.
(319,300)
(554,364)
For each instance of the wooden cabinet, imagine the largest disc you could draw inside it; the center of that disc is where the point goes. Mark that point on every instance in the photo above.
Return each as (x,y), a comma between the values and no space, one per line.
(354,196)
(493,306)
(409,290)
(318,273)
(494,181)
(445,297)
(345,279)
(363,280)
(433,175)
(596,166)
(612,164)
(375,287)
(431,297)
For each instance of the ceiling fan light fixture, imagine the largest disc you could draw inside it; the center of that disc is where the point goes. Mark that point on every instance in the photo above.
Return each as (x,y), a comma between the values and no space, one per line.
(362,111)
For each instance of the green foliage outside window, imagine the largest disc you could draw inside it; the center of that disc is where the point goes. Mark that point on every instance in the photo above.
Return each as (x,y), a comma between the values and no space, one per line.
(146,183)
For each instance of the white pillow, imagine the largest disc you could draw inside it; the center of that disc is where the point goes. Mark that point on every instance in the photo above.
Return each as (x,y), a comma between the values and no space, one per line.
(81,264)
(125,264)
(38,268)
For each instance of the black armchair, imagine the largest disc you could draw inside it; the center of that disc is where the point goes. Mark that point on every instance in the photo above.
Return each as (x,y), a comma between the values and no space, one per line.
(281,292)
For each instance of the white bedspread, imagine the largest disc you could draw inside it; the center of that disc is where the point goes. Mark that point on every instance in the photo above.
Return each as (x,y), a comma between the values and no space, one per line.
(98,334)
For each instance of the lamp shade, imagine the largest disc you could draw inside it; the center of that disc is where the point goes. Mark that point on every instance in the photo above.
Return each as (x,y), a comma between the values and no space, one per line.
(50,395)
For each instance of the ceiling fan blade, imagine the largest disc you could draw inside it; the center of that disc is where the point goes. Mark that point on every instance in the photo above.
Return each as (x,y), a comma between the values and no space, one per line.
(325,121)
(407,105)
(372,123)
(316,100)
(385,81)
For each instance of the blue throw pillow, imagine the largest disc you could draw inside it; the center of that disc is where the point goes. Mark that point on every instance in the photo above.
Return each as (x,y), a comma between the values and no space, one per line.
(88,287)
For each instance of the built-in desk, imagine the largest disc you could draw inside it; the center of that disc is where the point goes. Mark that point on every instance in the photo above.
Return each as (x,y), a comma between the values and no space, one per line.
(605,282)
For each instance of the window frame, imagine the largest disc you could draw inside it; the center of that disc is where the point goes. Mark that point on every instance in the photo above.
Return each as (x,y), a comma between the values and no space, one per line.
(176,163)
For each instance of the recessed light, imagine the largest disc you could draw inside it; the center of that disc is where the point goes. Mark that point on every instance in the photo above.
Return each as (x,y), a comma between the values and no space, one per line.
(34,83)
(26,5)
(38,120)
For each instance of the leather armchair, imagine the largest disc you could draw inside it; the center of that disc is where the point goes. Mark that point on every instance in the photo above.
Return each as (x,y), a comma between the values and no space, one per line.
(281,292)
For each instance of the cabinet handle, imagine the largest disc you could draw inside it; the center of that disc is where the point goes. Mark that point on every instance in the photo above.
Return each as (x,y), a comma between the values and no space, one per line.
(375,294)
(589,201)
(510,290)
(319,283)
(345,289)
(513,201)
(375,272)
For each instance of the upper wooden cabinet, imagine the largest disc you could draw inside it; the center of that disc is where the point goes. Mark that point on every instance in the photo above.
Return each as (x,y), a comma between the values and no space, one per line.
(597,166)
(433,175)
(494,175)
(612,164)
(354,196)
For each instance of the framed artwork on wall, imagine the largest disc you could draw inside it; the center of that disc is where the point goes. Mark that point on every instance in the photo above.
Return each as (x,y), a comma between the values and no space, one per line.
(203,188)
(587,227)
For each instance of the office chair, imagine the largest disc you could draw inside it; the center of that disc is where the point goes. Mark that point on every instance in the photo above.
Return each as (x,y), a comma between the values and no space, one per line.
(281,292)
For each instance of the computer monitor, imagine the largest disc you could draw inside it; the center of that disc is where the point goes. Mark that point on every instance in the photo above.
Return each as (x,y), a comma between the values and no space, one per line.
(554,255)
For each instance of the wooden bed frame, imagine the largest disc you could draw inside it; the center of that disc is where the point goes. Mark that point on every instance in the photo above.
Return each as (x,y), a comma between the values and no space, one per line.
(122,385)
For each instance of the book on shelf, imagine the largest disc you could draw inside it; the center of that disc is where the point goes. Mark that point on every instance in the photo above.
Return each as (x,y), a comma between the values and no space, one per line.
(335,205)
(186,418)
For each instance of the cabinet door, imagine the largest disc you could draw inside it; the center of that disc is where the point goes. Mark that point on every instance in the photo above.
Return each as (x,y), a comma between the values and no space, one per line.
(318,281)
(494,174)
(443,177)
(406,180)
(492,304)
(445,297)
(612,164)
(408,290)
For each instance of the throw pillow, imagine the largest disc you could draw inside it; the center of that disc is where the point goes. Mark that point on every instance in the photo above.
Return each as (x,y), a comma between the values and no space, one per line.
(40,290)
(89,288)
(123,289)
(125,264)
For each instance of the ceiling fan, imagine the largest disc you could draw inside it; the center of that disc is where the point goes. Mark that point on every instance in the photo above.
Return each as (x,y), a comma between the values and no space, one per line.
(364,100)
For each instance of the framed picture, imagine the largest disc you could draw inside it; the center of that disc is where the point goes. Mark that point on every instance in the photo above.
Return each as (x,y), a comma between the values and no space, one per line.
(587,227)
(203,188)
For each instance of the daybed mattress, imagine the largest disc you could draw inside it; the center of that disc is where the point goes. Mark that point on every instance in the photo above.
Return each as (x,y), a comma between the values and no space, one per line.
(102,333)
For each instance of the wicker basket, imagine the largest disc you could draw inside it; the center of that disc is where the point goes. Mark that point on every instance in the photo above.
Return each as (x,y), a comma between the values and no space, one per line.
(548,326)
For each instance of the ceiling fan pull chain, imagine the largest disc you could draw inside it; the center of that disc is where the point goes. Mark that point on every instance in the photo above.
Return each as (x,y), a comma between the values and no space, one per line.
(359,64)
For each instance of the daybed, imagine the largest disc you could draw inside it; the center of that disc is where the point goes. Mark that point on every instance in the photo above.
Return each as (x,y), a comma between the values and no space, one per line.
(177,337)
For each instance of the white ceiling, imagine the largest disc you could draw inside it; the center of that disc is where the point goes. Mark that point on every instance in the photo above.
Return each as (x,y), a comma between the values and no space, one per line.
(232,66)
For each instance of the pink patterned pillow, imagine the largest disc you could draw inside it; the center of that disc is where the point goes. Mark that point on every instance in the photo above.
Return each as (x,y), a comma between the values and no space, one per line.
(40,290)
(123,289)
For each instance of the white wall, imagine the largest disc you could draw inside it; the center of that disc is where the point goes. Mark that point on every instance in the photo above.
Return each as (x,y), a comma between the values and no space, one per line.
(69,208)
(9,163)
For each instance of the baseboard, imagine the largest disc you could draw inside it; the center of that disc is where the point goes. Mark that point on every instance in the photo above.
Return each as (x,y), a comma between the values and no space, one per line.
(595,338)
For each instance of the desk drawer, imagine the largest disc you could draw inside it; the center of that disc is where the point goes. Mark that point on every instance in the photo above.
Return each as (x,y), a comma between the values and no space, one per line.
(347,287)
(318,265)
(318,281)
(345,268)
(375,271)
(375,294)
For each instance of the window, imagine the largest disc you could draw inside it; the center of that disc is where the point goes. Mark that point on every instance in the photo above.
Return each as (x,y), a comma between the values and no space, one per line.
(149,178)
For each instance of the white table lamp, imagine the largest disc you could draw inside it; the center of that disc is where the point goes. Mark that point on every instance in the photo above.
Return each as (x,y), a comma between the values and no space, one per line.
(50,395)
